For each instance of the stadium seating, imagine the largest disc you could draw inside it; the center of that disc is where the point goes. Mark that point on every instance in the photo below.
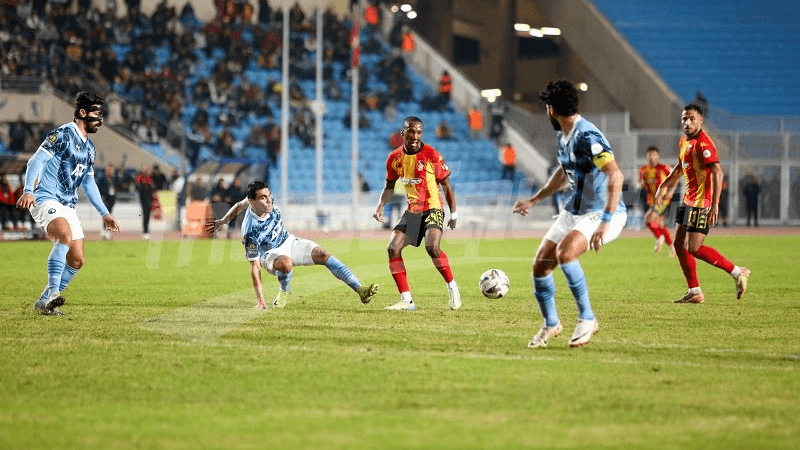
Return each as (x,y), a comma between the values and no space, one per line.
(750,51)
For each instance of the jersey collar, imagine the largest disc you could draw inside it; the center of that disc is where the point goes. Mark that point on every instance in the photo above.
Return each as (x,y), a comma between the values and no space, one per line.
(78,132)
(568,138)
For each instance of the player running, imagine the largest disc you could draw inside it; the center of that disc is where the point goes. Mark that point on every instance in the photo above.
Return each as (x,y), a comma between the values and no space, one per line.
(64,161)
(269,245)
(421,170)
(593,214)
(699,165)
(650,177)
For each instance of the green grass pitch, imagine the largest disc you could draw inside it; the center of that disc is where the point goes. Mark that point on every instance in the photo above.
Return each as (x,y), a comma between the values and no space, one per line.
(162,350)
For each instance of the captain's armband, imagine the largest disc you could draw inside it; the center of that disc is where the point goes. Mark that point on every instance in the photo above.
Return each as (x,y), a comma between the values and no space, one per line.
(601,159)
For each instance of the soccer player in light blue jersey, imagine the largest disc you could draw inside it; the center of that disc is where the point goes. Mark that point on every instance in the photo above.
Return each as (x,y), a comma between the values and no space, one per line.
(63,162)
(592,215)
(269,245)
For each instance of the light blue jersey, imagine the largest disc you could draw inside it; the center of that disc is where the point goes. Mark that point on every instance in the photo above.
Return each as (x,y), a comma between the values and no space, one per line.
(68,160)
(586,184)
(260,235)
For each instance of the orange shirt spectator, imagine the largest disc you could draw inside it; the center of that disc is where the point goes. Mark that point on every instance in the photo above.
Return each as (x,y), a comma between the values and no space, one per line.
(475,122)
(445,84)
(408,42)
(371,15)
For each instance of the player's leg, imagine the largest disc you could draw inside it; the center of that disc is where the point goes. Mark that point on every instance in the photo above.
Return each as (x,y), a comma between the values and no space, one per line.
(688,266)
(60,232)
(710,255)
(74,263)
(283,267)
(544,291)
(568,253)
(343,273)
(397,242)
(433,238)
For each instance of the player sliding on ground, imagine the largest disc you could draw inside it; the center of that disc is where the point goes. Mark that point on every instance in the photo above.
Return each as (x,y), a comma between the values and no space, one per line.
(269,245)
(699,165)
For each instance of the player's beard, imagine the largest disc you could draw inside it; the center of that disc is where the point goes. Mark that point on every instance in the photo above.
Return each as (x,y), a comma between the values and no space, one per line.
(554,123)
(92,127)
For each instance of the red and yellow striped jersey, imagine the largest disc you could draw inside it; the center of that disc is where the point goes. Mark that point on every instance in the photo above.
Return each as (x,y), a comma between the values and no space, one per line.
(651,177)
(696,157)
(420,174)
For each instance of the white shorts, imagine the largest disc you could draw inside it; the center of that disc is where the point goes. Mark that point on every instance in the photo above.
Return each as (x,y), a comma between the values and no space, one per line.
(298,249)
(586,224)
(50,210)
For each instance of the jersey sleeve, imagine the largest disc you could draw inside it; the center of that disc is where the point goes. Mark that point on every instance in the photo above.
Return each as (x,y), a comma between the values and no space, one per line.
(54,143)
(440,169)
(391,173)
(601,153)
(708,151)
(250,247)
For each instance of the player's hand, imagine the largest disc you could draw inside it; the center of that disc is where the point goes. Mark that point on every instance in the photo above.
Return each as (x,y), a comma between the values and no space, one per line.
(26,201)
(452,223)
(212,225)
(378,214)
(713,215)
(659,197)
(597,237)
(522,207)
(111,223)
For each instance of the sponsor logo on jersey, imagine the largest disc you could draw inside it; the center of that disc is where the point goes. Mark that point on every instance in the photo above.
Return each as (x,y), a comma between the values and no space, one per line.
(706,154)
(411,180)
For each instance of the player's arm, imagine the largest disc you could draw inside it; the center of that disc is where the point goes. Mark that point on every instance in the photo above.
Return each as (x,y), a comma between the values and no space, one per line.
(32,173)
(667,187)
(388,191)
(716,191)
(613,195)
(255,274)
(553,184)
(235,210)
(93,194)
(450,196)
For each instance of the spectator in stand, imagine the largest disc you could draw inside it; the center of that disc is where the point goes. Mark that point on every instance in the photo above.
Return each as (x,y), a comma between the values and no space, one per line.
(445,87)
(7,201)
(475,122)
(508,157)
(18,134)
(146,188)
(108,186)
(443,131)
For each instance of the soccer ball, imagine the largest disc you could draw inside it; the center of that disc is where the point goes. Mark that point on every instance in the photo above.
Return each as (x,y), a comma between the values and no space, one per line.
(494,283)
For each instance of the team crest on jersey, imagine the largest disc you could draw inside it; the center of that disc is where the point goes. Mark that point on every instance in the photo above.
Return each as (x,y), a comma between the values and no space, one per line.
(420,166)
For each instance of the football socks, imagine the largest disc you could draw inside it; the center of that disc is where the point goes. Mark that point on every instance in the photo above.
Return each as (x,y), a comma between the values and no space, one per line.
(284,279)
(398,269)
(576,280)
(55,265)
(442,264)
(342,272)
(66,276)
(544,289)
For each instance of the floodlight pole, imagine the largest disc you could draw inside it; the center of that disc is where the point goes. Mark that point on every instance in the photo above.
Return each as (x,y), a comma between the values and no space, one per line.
(319,108)
(355,47)
(285,110)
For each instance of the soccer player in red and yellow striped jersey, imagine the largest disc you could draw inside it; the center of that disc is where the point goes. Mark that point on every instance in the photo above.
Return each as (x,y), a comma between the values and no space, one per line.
(650,177)
(426,178)
(699,165)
